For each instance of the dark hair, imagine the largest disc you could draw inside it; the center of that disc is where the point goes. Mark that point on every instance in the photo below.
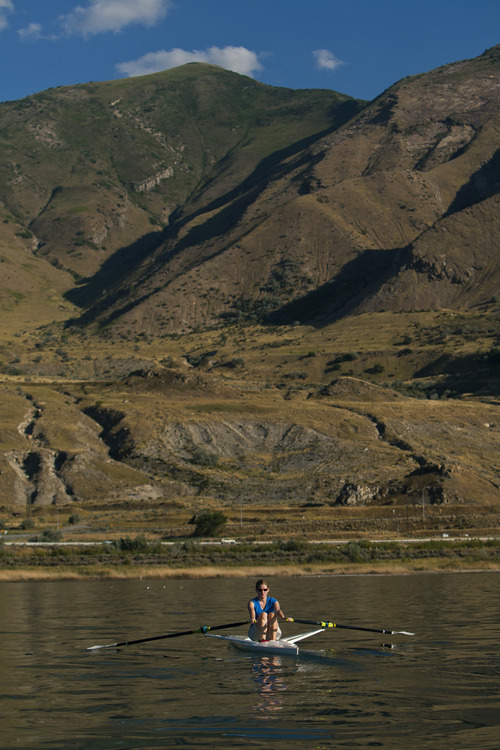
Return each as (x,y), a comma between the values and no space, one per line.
(260,582)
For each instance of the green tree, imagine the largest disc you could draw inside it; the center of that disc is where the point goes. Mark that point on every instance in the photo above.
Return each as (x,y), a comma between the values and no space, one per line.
(209,523)
(51,535)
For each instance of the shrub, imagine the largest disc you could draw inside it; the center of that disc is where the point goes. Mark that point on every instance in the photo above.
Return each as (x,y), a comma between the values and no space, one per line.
(297,375)
(202,457)
(234,363)
(376,369)
(51,535)
(25,234)
(293,545)
(357,551)
(127,544)
(74,519)
(209,523)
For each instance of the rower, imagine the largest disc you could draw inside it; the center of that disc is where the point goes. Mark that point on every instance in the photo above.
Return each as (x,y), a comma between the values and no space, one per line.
(264,612)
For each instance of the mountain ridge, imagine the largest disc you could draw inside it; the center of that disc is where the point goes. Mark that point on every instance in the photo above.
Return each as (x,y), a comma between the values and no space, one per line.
(413,161)
(445,150)
(213,289)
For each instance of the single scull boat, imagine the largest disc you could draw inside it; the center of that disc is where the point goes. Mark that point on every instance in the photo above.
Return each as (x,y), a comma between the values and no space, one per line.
(284,646)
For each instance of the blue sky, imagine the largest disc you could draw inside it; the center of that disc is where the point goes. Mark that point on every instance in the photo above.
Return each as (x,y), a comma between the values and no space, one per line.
(357,47)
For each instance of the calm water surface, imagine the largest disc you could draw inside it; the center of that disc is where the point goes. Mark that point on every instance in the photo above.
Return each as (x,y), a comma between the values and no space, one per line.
(347,689)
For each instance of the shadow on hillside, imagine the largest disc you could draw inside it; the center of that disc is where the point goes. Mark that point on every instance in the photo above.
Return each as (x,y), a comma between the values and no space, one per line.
(109,285)
(114,271)
(474,373)
(482,184)
(359,279)
(234,205)
(340,115)
(235,202)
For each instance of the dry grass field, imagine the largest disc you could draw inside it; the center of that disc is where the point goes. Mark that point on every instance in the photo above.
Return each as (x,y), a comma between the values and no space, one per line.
(254,420)
(298,327)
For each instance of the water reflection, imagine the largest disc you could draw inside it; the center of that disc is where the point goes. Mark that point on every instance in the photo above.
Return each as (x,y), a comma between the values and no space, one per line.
(268,675)
(437,690)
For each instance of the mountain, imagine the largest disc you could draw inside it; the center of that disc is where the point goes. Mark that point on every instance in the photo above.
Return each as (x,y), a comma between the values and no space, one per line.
(212,289)
(94,169)
(395,209)
(197,196)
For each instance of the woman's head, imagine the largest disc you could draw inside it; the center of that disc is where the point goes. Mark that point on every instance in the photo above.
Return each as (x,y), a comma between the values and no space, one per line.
(262,586)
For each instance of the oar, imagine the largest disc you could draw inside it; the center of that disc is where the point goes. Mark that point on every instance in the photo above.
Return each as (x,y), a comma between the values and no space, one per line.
(201,629)
(348,627)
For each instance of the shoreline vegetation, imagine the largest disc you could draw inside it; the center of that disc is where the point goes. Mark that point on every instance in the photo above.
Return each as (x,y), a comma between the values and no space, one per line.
(129,558)
(139,573)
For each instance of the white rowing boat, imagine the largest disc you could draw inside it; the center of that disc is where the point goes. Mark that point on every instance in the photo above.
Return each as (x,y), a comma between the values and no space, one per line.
(284,646)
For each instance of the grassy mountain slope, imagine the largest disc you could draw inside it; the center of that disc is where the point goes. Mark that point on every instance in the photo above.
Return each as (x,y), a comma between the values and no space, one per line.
(31,289)
(216,292)
(95,168)
(191,439)
(395,209)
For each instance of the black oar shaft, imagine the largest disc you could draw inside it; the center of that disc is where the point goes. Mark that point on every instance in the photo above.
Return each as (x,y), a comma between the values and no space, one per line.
(326,624)
(359,627)
(201,629)
(156,637)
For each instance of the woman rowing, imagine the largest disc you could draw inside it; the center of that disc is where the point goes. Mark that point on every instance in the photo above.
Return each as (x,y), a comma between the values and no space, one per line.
(264,612)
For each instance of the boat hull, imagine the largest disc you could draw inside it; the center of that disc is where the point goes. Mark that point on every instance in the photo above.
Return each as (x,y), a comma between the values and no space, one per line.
(282,647)
(265,648)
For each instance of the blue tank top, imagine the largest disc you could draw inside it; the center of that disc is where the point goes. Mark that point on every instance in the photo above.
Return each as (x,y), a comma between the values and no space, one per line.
(268,608)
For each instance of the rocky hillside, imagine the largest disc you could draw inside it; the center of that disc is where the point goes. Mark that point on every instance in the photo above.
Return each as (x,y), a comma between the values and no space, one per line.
(214,292)
(96,169)
(195,197)
(183,440)
(394,210)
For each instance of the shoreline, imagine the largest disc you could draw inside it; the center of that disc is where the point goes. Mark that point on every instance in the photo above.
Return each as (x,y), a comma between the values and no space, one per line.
(137,558)
(139,572)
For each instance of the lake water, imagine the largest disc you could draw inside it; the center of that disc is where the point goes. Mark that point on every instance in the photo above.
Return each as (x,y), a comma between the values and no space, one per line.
(347,689)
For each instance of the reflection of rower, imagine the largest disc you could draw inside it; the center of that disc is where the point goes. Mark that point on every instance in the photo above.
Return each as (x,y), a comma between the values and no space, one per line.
(267,673)
(264,612)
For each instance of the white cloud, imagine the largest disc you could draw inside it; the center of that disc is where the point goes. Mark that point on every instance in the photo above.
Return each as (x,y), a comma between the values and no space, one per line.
(32,31)
(326,60)
(101,16)
(6,7)
(237,59)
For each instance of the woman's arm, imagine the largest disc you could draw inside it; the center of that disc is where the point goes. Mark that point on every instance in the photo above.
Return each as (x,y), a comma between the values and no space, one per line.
(251,610)
(278,611)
